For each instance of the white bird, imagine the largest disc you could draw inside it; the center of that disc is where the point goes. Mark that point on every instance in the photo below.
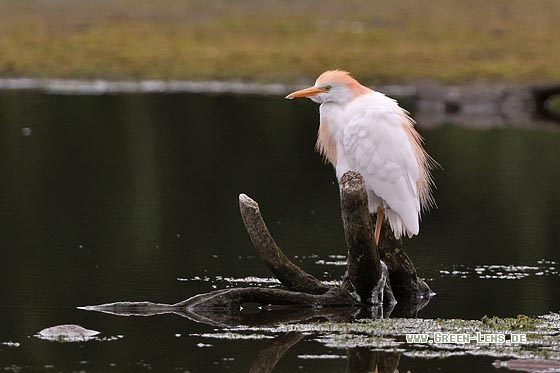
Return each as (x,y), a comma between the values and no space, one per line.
(365,131)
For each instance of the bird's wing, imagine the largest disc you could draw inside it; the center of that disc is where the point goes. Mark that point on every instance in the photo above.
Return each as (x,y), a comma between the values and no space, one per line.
(376,145)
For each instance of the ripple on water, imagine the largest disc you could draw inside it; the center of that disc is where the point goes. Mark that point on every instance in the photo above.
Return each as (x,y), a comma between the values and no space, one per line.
(502,271)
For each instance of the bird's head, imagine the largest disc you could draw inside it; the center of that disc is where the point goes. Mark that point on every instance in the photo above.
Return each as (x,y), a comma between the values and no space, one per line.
(332,86)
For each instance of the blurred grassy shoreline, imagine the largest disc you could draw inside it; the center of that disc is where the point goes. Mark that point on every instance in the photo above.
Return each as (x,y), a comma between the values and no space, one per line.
(449,41)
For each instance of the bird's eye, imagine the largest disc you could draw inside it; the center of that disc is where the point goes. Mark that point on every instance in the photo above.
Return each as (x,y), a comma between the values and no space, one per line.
(327,88)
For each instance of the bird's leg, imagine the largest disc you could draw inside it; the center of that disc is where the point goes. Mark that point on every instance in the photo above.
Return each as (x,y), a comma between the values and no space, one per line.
(378,224)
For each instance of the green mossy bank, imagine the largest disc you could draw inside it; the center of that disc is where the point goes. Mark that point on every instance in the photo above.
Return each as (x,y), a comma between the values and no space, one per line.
(277,41)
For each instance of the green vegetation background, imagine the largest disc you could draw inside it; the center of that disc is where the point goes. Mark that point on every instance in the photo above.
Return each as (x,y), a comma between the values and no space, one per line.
(452,41)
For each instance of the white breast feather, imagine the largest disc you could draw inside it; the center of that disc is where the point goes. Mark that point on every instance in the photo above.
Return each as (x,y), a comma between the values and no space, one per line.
(375,144)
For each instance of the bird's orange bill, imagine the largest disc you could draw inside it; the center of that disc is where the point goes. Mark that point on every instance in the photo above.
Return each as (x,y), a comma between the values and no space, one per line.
(307,92)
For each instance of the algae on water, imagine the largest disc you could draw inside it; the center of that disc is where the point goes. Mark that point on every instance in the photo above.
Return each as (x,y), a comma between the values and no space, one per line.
(541,339)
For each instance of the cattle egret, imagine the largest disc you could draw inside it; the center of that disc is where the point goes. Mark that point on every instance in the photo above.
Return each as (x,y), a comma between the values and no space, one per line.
(365,131)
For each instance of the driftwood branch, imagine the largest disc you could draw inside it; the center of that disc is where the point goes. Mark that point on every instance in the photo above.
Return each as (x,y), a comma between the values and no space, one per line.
(373,274)
(368,280)
(233,299)
(289,274)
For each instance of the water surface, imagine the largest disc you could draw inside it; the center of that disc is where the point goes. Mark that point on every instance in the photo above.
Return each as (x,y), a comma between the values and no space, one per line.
(134,197)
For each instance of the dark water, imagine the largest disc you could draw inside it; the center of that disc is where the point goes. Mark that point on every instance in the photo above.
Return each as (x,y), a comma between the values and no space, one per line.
(134,197)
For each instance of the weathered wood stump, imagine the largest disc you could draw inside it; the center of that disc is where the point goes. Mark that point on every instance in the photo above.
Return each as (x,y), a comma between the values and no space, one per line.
(376,277)
(364,269)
